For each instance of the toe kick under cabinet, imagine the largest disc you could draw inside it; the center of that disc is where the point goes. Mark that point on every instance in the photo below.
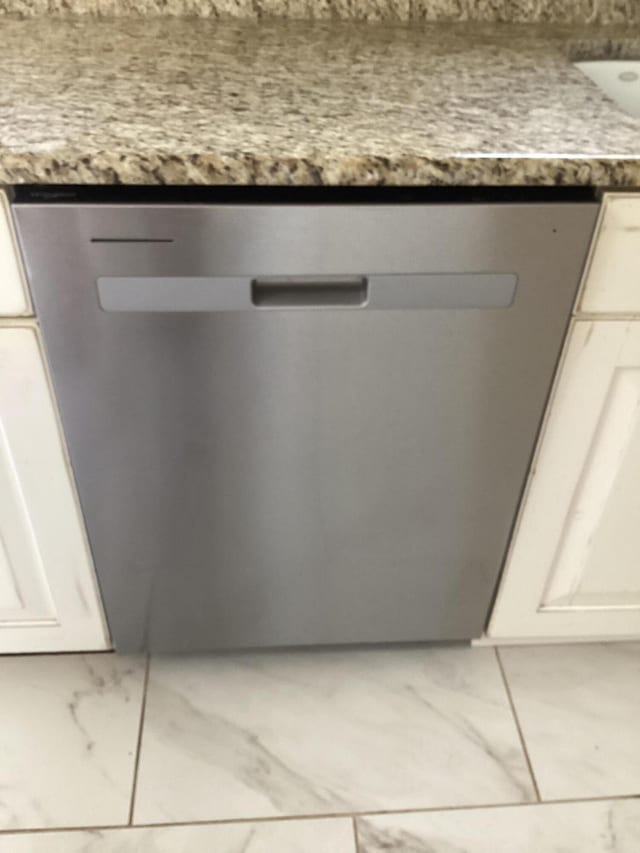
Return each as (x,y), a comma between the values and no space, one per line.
(573,570)
(48,594)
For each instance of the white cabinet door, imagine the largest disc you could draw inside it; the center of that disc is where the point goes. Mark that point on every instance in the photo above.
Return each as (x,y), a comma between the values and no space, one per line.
(574,564)
(14,301)
(48,594)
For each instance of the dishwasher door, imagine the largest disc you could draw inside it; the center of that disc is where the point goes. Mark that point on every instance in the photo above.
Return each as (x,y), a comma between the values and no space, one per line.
(297,424)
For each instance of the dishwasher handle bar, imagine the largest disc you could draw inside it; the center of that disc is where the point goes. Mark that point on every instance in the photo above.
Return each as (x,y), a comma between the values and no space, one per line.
(436,291)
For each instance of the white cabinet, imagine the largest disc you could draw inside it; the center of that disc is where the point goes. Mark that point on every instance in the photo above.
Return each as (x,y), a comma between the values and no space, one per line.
(612,281)
(574,566)
(573,569)
(14,300)
(48,594)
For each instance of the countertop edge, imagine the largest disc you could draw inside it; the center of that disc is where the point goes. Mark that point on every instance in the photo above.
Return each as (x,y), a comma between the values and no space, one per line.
(237,168)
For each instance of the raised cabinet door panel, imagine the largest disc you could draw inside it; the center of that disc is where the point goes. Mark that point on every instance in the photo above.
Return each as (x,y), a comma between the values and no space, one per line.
(14,300)
(24,591)
(574,563)
(48,594)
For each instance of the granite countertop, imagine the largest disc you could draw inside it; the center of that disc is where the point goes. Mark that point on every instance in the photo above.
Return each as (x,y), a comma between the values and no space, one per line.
(205,101)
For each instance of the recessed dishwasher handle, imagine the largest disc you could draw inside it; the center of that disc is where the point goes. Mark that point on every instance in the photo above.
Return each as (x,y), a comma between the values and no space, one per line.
(309,292)
(376,291)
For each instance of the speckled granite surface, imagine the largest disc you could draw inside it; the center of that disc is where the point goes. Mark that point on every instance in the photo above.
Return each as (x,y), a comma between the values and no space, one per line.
(199,101)
(512,11)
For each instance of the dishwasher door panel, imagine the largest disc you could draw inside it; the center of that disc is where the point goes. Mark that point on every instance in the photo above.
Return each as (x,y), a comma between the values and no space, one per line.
(306,475)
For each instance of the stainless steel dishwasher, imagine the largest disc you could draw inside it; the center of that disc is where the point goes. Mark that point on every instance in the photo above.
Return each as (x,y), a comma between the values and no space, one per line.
(301,423)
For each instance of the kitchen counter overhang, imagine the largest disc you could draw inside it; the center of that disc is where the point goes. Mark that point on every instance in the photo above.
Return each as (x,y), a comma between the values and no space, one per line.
(201,101)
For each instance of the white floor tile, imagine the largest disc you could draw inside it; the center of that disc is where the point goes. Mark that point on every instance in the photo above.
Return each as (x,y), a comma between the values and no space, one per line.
(595,827)
(68,733)
(579,708)
(296,836)
(326,733)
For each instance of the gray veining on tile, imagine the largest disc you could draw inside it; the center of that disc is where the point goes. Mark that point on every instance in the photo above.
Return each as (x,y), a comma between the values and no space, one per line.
(68,734)
(326,732)
(299,836)
(595,827)
(188,101)
(513,11)
(579,708)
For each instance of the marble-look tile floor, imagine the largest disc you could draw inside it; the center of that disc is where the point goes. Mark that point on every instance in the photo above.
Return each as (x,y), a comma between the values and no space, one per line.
(328,733)
(422,749)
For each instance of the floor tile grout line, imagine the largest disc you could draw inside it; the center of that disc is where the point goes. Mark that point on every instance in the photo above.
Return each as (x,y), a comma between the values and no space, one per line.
(136,765)
(514,712)
(355,834)
(322,816)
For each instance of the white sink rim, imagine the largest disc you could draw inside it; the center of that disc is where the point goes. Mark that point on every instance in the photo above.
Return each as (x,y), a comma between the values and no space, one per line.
(606,73)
